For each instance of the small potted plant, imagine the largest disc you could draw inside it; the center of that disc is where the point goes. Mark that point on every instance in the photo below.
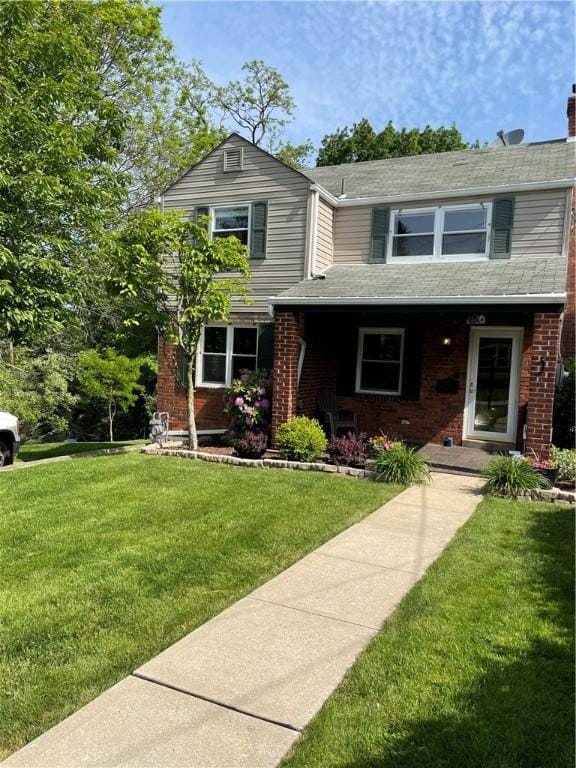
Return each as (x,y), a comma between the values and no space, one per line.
(548,468)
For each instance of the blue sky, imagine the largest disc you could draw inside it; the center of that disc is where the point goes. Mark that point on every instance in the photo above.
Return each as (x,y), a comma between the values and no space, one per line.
(482,65)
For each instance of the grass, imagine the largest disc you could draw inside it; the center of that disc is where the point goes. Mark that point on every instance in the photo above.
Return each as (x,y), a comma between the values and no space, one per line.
(107,561)
(475,668)
(36,451)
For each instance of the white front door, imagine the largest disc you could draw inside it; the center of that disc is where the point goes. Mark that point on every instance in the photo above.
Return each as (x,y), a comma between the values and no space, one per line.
(492,384)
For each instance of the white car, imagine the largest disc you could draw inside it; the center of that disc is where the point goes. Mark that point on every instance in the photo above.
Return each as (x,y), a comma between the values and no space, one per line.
(9,438)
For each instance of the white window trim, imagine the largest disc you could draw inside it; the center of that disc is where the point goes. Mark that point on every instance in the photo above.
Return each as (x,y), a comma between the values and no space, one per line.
(212,208)
(362,332)
(229,355)
(439,213)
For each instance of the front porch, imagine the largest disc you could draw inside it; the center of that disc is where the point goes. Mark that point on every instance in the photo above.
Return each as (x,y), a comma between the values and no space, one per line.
(470,375)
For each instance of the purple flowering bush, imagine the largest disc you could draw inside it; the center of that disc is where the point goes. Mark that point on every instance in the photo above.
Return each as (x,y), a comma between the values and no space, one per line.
(248,403)
(252,445)
(349,450)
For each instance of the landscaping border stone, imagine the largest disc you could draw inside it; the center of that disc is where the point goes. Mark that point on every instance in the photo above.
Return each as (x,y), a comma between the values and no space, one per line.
(259,463)
(551,495)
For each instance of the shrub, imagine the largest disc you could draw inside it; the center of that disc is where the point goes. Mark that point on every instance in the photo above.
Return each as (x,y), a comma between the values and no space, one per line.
(252,445)
(565,460)
(400,464)
(301,439)
(509,477)
(248,403)
(349,450)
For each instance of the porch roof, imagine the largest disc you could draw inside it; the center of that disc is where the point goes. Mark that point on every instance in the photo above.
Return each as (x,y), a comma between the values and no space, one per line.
(535,280)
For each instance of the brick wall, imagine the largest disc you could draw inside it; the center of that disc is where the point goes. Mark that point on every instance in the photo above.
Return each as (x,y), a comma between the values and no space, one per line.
(568,344)
(543,363)
(172,396)
(433,415)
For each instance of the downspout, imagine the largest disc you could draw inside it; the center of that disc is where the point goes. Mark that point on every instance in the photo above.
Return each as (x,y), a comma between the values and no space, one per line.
(311,234)
(315,212)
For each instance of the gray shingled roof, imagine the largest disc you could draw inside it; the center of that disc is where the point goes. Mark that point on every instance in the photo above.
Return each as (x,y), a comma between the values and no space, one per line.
(501,278)
(472,168)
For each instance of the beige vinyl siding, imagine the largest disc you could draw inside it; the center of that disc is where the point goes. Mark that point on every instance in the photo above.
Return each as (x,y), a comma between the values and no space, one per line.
(262,178)
(537,231)
(324,236)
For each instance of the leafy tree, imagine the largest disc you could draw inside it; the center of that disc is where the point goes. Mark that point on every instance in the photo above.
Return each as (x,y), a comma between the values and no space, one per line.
(169,272)
(36,388)
(261,106)
(361,142)
(110,378)
(92,123)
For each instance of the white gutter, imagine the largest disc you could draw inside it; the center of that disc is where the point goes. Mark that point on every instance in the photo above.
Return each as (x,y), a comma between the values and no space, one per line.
(448,193)
(314,243)
(309,238)
(324,194)
(527,298)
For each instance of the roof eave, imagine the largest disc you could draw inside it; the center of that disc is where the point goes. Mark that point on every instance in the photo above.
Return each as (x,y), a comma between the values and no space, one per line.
(517,298)
(451,193)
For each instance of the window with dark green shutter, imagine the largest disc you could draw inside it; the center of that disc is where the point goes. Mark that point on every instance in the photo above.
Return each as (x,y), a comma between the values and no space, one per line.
(502,220)
(379,244)
(266,347)
(259,230)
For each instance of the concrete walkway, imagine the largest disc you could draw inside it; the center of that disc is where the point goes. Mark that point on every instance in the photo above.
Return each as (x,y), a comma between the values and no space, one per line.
(237,691)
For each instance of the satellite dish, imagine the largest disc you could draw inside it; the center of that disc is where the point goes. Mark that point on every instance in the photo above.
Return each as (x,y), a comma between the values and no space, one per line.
(506,139)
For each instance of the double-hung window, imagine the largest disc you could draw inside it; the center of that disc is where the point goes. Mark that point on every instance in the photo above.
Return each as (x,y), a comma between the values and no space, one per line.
(379,364)
(231,220)
(225,351)
(446,233)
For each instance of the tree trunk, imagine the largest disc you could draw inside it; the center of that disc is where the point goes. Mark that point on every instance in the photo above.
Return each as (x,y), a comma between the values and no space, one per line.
(111,420)
(11,354)
(192,434)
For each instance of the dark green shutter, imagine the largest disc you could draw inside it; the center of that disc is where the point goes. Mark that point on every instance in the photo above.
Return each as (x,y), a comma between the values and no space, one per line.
(258,237)
(266,347)
(380,222)
(412,364)
(182,369)
(347,360)
(502,218)
(199,211)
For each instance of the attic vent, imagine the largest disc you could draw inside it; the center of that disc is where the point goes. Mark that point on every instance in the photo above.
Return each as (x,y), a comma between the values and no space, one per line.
(233,159)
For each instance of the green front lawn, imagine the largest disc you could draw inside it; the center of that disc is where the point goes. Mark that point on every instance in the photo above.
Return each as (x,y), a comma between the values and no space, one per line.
(475,668)
(104,562)
(36,451)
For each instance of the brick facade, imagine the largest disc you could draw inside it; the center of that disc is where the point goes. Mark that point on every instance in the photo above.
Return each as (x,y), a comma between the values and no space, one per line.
(426,415)
(172,396)
(543,365)
(430,415)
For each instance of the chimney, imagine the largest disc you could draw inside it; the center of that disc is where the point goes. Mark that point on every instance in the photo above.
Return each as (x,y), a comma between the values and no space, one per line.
(571,113)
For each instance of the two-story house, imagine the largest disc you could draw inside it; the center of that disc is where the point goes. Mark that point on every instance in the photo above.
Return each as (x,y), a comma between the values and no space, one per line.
(426,292)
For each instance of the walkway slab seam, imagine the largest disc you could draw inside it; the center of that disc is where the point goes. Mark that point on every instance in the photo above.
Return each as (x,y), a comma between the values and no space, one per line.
(217,703)
(365,562)
(312,613)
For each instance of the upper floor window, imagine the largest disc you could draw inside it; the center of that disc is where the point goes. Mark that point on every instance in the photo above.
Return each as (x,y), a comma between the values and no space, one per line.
(445,233)
(231,220)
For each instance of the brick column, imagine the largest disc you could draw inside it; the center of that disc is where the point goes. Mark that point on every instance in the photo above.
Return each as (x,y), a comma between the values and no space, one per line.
(285,374)
(545,355)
